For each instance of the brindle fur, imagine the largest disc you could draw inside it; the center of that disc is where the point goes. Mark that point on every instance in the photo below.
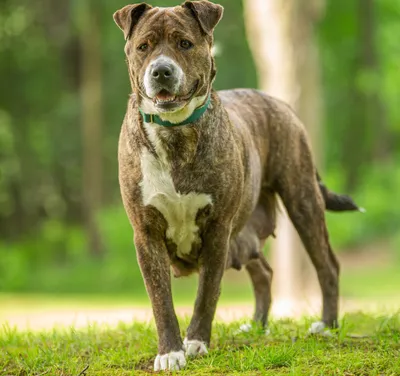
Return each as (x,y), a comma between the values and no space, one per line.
(244,151)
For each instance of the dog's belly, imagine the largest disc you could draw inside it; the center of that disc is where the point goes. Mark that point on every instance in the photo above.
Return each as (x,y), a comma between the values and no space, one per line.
(179,210)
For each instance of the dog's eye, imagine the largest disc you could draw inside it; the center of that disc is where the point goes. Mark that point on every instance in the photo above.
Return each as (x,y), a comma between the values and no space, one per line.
(185,44)
(143,47)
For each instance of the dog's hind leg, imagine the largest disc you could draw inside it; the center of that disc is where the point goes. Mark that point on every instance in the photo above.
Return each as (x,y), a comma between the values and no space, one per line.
(247,247)
(298,187)
(262,222)
(261,277)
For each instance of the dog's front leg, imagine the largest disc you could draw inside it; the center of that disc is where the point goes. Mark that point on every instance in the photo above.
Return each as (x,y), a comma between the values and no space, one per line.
(213,259)
(154,264)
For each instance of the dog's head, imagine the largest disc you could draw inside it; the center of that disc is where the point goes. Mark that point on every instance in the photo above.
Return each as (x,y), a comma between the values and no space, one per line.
(169,54)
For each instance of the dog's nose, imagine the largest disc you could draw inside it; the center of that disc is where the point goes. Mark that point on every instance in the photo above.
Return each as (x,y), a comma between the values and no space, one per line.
(162,72)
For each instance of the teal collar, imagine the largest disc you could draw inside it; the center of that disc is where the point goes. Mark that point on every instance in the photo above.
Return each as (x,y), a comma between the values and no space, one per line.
(196,115)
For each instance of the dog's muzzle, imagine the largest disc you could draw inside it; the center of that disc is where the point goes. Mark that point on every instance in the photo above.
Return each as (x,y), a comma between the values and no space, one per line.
(165,76)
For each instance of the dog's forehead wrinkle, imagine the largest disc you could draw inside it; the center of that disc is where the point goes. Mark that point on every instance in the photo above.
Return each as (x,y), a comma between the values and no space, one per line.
(178,22)
(151,21)
(168,20)
(150,35)
(182,32)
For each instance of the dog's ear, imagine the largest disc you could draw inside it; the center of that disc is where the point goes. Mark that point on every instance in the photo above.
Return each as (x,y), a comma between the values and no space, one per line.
(127,17)
(206,13)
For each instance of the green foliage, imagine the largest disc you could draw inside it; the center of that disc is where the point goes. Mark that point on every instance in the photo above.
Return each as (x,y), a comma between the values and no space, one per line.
(360,79)
(55,260)
(289,350)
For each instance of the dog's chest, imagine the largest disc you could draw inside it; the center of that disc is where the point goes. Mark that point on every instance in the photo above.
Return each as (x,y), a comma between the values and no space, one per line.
(179,210)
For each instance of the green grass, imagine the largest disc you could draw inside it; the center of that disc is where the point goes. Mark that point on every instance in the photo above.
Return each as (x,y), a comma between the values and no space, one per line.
(365,345)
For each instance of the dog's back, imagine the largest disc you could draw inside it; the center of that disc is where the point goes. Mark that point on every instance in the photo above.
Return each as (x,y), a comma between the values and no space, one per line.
(279,134)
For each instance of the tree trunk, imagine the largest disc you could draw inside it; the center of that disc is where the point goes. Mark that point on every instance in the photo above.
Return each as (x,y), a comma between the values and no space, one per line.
(90,35)
(280,35)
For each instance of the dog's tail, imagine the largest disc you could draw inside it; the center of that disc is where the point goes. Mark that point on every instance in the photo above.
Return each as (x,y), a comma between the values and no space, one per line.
(335,202)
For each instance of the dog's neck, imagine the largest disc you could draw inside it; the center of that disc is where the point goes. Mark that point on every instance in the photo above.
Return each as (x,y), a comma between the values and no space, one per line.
(172,146)
(176,145)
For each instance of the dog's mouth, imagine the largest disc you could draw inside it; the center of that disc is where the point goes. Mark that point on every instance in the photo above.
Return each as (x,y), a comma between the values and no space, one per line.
(164,97)
(165,100)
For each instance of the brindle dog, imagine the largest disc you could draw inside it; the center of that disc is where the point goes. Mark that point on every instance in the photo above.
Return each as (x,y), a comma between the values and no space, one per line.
(200,171)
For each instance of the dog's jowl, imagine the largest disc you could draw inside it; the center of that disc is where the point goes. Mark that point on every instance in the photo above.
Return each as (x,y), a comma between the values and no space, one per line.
(200,171)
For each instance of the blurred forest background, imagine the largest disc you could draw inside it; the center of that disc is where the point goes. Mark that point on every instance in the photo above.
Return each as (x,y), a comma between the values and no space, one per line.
(64,89)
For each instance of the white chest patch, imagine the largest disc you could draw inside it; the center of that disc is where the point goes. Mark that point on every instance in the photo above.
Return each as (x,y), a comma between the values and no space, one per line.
(179,210)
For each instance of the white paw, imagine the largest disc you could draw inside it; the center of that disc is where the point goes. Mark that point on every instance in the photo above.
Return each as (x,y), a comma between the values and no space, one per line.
(194,347)
(173,361)
(319,327)
(246,328)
